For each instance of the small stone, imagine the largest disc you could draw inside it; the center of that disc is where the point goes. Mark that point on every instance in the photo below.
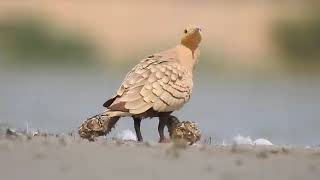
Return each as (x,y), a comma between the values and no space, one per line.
(239,162)
(262,155)
(11,132)
(285,150)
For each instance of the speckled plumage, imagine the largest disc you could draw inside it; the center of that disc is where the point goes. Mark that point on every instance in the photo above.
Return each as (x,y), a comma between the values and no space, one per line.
(187,131)
(98,125)
(156,82)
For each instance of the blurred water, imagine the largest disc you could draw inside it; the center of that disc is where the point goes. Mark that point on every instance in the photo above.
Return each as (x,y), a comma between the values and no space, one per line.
(285,111)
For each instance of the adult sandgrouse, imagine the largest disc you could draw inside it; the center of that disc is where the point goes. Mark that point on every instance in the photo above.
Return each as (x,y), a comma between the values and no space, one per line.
(157,86)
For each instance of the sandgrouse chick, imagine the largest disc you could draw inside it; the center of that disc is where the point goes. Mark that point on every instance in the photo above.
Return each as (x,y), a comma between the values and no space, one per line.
(157,86)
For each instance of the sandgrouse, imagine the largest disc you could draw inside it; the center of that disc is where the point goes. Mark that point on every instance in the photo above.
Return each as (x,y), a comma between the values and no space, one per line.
(157,86)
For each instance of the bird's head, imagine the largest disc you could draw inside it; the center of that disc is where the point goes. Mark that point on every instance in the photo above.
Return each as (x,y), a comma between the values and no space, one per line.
(191,37)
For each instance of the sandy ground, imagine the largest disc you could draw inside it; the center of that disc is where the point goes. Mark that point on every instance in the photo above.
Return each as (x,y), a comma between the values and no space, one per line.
(69,157)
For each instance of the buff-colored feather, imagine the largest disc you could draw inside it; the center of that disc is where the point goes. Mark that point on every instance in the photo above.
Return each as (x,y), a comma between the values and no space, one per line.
(162,81)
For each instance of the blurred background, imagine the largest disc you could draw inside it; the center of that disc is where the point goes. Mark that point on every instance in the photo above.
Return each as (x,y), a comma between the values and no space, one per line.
(258,74)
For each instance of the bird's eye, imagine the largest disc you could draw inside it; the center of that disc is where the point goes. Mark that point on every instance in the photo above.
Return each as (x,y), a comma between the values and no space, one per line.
(185,31)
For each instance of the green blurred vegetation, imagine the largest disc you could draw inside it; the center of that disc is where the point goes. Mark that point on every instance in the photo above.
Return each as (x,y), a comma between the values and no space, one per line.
(299,39)
(33,40)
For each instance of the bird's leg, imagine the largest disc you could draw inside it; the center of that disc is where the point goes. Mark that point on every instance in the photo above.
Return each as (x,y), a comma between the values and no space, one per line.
(137,122)
(163,119)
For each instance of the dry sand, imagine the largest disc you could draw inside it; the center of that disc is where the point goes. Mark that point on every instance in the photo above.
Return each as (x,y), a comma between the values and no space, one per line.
(69,157)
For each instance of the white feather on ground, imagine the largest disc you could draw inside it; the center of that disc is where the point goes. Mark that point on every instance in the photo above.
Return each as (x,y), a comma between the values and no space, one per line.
(242,140)
(127,135)
(263,142)
(247,140)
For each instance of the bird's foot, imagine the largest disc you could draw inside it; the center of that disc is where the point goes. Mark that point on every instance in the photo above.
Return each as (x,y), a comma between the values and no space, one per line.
(164,140)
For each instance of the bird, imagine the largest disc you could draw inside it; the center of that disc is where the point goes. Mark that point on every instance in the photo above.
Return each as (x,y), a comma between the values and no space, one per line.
(157,86)
(183,131)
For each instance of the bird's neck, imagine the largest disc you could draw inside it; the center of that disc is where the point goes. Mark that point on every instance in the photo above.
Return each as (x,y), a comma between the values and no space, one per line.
(190,45)
(188,57)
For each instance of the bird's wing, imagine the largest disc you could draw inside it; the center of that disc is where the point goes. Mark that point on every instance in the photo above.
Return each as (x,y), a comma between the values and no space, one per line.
(156,82)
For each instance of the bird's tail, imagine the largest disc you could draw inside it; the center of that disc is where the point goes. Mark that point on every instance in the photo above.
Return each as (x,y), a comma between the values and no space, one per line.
(98,125)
